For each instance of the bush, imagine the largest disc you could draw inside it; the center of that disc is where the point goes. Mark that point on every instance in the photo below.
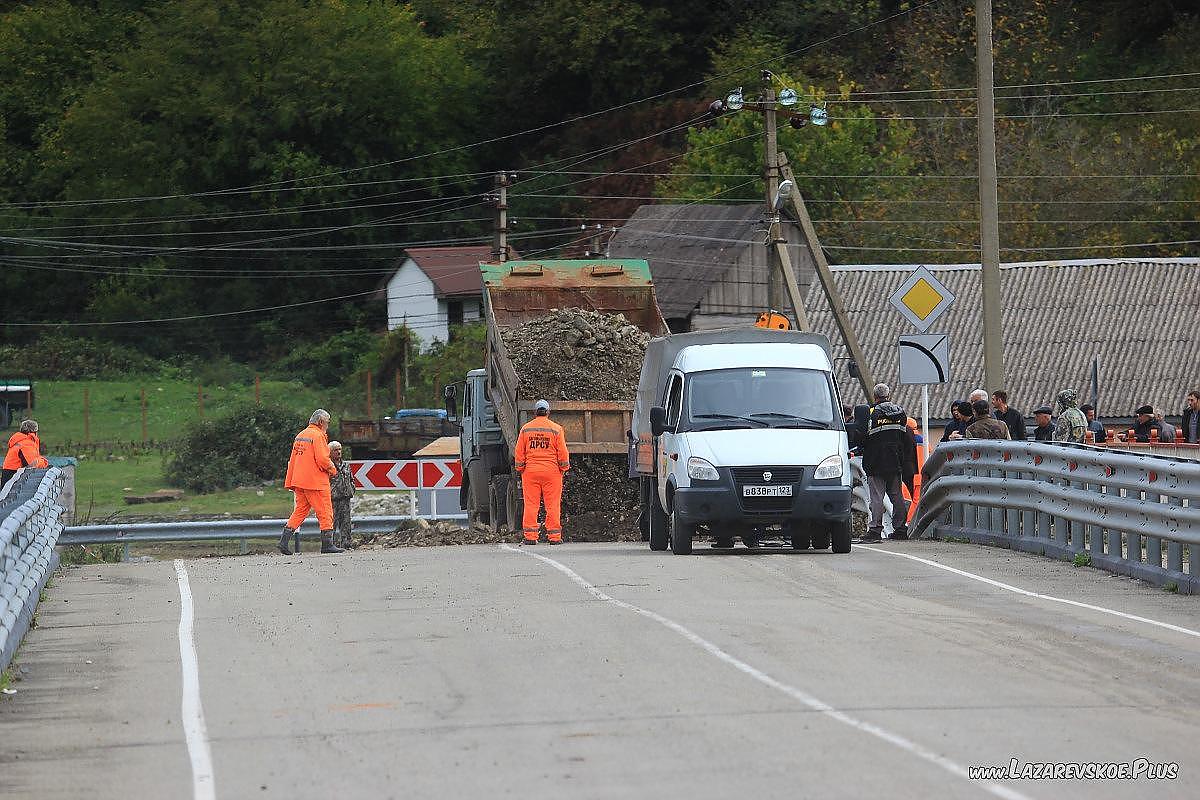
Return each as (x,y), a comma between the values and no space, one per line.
(246,445)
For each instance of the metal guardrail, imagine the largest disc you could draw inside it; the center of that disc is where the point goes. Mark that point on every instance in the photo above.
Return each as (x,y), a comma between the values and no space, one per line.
(1064,500)
(242,530)
(29,528)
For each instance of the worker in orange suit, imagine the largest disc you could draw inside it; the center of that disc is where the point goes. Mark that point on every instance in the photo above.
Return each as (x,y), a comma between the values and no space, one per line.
(308,473)
(542,460)
(24,450)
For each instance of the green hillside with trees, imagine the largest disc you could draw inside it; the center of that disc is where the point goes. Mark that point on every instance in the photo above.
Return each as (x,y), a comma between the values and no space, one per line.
(168,165)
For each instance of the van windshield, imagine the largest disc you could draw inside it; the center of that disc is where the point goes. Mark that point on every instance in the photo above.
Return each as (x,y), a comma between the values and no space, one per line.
(758,398)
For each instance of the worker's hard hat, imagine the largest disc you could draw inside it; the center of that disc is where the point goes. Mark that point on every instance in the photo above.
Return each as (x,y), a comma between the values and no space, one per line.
(542,405)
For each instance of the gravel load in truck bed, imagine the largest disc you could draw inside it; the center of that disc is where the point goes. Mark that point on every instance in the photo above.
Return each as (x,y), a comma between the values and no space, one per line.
(573,354)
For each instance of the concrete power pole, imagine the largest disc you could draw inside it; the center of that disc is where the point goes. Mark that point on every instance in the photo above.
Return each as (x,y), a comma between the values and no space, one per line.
(780,273)
(825,276)
(989,225)
(500,233)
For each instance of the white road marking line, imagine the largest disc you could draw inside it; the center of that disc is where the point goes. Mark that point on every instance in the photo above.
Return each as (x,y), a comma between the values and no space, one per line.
(203,785)
(809,700)
(1027,593)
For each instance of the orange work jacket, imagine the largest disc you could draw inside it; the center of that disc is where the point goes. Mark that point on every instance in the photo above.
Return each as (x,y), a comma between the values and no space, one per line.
(27,445)
(309,467)
(542,443)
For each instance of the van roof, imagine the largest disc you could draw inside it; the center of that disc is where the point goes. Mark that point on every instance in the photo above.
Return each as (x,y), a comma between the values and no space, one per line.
(698,358)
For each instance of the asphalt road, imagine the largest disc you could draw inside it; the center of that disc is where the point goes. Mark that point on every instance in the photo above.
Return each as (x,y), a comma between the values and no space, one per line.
(483,672)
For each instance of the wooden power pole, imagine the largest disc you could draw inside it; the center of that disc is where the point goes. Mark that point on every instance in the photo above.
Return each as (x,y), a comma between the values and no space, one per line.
(825,276)
(500,232)
(989,225)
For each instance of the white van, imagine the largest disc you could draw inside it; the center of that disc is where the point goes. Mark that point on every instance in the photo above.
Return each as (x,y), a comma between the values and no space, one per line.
(745,439)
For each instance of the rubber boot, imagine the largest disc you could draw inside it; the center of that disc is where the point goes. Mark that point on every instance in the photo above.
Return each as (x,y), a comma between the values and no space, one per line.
(283,541)
(327,545)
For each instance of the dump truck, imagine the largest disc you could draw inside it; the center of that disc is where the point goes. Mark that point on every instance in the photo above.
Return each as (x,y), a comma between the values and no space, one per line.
(494,401)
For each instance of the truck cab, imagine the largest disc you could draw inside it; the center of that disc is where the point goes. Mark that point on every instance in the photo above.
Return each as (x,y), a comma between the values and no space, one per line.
(750,437)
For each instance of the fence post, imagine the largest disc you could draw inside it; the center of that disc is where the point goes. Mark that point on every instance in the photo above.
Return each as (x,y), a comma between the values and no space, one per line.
(145,438)
(87,416)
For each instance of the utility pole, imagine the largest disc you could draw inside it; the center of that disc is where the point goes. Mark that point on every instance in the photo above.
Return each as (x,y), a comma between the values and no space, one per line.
(594,240)
(825,276)
(780,273)
(771,187)
(500,232)
(989,225)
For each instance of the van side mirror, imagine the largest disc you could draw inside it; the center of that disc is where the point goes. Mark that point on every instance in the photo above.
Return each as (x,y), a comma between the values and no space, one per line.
(852,368)
(451,397)
(658,420)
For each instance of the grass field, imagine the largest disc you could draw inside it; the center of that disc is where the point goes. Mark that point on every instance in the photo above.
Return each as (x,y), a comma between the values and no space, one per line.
(101,479)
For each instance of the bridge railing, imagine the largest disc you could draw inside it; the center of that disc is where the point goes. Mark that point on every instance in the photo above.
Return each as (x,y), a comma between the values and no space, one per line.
(29,529)
(1118,509)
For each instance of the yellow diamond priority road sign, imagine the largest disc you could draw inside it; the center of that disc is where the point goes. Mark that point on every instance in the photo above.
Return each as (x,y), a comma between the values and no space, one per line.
(922,298)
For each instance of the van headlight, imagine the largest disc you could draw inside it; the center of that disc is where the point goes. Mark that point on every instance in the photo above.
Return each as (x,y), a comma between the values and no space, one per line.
(829,468)
(701,470)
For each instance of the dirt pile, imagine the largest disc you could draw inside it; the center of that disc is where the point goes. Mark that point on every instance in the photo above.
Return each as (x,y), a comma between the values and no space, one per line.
(600,503)
(572,354)
(381,504)
(423,533)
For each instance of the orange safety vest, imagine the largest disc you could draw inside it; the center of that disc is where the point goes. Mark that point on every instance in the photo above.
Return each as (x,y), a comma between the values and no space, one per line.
(27,444)
(542,443)
(309,467)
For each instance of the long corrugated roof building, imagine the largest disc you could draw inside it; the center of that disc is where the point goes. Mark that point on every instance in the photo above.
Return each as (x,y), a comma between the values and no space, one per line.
(1139,317)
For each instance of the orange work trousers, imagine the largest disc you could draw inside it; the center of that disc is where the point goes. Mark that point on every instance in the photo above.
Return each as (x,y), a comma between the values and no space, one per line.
(315,500)
(542,484)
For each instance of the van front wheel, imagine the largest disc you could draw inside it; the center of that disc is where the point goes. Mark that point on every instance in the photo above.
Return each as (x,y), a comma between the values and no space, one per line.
(839,533)
(681,536)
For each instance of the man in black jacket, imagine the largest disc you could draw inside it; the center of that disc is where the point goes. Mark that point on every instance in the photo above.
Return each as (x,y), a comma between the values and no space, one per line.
(1191,418)
(889,459)
(1014,419)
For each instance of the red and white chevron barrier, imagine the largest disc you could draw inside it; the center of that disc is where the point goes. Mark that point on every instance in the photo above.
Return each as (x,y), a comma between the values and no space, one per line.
(410,475)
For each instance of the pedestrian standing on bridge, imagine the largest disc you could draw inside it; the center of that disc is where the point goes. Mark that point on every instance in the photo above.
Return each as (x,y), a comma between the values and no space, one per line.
(1072,424)
(541,460)
(341,489)
(308,473)
(1094,425)
(24,450)
(1191,417)
(1014,419)
(1166,431)
(889,459)
(1044,431)
(985,425)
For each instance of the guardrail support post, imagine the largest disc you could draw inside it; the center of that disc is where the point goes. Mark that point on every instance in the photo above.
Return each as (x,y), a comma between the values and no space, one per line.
(125,552)
(242,547)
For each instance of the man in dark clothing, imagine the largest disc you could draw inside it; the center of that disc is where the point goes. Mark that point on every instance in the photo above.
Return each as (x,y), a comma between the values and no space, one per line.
(1191,417)
(1089,412)
(1044,432)
(889,458)
(1146,423)
(985,426)
(1014,419)
(958,423)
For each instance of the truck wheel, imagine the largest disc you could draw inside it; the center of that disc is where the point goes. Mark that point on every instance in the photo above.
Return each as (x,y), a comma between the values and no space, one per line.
(820,538)
(839,532)
(723,540)
(516,505)
(498,503)
(801,541)
(645,492)
(660,536)
(681,536)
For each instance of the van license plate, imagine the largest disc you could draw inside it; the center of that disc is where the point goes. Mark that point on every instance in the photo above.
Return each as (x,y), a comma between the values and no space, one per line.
(766,491)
